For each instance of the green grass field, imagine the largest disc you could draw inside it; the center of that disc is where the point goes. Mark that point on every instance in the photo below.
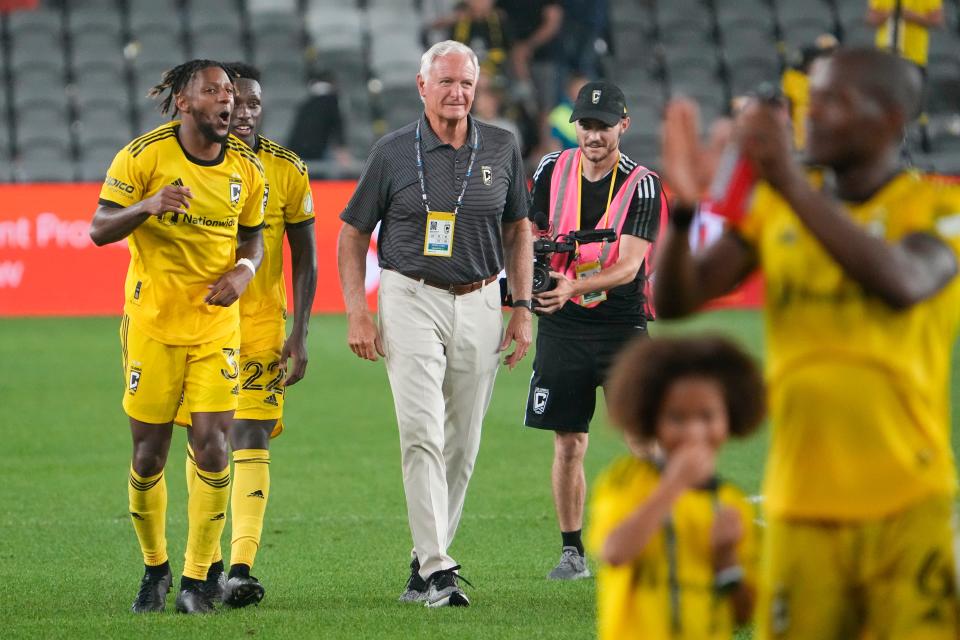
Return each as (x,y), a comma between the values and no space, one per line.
(336,540)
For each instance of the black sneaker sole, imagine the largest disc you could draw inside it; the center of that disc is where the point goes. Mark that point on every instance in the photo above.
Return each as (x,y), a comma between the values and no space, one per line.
(244,596)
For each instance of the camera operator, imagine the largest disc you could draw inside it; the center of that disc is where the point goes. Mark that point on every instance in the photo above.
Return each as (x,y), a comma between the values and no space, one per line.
(597,303)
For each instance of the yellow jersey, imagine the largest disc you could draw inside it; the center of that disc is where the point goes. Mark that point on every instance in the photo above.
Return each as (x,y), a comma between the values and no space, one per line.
(668,591)
(912,40)
(796,87)
(175,257)
(263,306)
(858,391)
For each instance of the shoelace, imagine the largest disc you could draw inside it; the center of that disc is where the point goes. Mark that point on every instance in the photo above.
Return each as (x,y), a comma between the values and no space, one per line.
(452,571)
(147,585)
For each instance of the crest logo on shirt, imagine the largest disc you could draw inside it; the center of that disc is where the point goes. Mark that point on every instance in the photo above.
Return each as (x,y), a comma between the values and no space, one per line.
(266,194)
(308,203)
(540,396)
(487,174)
(595,96)
(235,188)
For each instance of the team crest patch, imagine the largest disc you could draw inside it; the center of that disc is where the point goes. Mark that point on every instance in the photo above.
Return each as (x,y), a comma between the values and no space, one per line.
(134,383)
(595,96)
(266,194)
(487,174)
(235,188)
(308,203)
(540,396)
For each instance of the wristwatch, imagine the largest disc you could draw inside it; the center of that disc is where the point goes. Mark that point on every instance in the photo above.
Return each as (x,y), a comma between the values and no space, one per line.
(526,304)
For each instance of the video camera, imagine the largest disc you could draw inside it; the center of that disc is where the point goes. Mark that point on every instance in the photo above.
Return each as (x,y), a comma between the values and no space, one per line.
(544,247)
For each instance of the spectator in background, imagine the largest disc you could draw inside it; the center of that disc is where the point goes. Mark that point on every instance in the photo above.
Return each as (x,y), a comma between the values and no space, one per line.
(318,129)
(584,41)
(796,85)
(488,105)
(562,130)
(485,29)
(903,27)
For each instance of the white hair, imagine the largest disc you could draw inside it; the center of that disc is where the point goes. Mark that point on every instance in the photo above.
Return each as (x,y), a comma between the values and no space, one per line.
(445,48)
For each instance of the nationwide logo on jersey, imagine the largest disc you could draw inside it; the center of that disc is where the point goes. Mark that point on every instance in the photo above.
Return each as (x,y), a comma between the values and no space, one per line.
(595,96)
(540,396)
(236,186)
(487,173)
(271,400)
(134,383)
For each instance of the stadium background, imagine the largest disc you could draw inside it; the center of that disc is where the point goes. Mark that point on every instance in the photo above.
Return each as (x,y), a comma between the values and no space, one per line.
(73,75)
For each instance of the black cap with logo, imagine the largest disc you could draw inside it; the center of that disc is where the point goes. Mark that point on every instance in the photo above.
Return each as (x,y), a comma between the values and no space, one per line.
(601,101)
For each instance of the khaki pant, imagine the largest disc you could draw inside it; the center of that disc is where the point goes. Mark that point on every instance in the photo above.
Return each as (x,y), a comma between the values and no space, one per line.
(442,360)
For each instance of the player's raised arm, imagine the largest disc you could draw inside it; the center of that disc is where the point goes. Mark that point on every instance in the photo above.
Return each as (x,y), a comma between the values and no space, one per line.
(113,222)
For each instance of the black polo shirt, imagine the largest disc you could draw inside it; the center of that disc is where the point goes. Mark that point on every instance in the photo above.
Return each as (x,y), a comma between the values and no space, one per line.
(389,193)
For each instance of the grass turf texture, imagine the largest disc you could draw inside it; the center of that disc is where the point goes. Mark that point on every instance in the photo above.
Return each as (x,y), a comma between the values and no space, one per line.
(335,542)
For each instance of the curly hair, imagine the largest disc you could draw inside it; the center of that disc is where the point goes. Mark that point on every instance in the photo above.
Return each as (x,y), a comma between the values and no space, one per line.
(175,80)
(244,71)
(646,368)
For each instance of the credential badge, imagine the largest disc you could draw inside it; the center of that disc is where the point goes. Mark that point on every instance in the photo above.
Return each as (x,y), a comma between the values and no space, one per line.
(540,396)
(487,175)
(595,97)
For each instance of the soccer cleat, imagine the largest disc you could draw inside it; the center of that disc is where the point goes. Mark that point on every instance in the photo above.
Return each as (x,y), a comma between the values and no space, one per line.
(443,589)
(193,599)
(416,590)
(152,595)
(572,566)
(242,591)
(214,584)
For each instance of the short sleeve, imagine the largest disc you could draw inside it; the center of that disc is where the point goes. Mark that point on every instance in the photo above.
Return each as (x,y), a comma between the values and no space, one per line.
(540,196)
(251,216)
(517,204)
(123,185)
(643,219)
(300,209)
(750,227)
(369,201)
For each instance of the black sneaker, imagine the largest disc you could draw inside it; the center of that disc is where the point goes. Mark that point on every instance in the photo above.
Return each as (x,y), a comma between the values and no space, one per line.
(443,589)
(416,590)
(152,595)
(193,599)
(214,584)
(242,591)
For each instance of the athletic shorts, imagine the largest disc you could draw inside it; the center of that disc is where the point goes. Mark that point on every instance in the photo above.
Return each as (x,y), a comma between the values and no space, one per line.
(894,577)
(157,376)
(261,391)
(566,374)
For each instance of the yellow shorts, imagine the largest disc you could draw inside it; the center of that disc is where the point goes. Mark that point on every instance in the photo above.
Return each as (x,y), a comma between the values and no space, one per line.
(892,578)
(261,391)
(158,376)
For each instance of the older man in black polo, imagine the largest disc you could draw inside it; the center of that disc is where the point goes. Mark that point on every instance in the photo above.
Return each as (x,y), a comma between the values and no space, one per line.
(450,196)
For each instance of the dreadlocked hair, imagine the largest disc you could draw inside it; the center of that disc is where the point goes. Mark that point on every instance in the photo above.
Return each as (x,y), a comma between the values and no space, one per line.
(178,78)
(244,71)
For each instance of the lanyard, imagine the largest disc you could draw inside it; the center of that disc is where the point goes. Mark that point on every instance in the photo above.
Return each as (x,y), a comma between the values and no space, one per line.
(613,179)
(466,178)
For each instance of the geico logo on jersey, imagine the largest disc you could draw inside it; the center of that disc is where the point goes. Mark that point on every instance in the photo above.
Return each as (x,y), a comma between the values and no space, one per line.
(119,185)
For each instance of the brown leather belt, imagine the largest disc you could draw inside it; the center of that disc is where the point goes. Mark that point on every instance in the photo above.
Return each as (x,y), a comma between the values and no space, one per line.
(455,289)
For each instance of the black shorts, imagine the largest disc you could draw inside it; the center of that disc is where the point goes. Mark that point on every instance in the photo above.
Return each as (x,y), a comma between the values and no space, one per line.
(566,374)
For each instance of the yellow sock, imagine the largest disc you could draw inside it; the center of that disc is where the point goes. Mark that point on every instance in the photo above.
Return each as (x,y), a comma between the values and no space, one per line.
(251,490)
(191,469)
(207,513)
(148,510)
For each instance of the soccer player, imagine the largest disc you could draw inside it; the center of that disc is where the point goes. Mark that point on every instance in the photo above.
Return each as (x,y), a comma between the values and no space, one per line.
(264,346)
(190,201)
(677,544)
(862,304)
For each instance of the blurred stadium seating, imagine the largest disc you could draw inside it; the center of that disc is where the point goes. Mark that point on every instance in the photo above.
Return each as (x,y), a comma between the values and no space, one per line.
(74,73)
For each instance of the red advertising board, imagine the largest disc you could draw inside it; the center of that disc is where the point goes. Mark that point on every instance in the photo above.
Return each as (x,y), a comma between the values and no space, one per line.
(49,266)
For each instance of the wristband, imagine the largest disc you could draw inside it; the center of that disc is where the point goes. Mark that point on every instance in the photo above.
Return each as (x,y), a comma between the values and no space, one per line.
(727,579)
(681,216)
(248,263)
(526,304)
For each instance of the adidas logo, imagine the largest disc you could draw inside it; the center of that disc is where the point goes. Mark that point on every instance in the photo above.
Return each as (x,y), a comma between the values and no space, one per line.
(271,400)
(175,217)
(236,390)
(136,516)
(257,494)
(219,516)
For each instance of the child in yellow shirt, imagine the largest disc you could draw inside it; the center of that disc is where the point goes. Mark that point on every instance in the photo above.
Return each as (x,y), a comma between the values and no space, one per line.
(678,546)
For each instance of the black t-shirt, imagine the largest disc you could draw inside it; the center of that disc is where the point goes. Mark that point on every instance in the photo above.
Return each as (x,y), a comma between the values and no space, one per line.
(525,17)
(623,308)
